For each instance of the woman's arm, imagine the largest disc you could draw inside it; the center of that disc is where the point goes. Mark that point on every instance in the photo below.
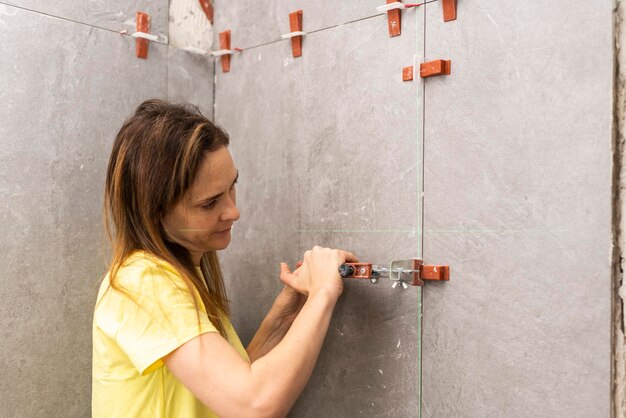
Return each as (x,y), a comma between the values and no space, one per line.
(269,334)
(277,322)
(215,373)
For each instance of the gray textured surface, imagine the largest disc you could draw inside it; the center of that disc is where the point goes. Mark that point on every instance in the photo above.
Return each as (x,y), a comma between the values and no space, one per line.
(267,20)
(190,79)
(327,153)
(189,25)
(114,15)
(518,203)
(65,90)
(619,313)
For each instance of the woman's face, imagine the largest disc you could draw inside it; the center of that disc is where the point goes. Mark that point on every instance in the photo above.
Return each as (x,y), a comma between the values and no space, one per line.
(201,221)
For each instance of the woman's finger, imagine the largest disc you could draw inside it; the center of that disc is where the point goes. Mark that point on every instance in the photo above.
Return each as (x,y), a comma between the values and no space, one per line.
(286,276)
(284,268)
(349,257)
(291,279)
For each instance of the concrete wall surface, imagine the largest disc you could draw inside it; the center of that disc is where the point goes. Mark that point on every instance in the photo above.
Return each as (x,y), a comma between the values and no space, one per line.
(518,202)
(619,313)
(66,87)
(327,151)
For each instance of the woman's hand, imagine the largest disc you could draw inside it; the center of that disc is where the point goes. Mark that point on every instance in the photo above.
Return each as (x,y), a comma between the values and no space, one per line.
(319,272)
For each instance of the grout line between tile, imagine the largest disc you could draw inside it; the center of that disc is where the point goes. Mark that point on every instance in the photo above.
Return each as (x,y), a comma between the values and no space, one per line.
(421,205)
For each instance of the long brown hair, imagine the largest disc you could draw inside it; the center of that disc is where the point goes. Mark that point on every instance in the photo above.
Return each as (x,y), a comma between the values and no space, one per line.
(154,161)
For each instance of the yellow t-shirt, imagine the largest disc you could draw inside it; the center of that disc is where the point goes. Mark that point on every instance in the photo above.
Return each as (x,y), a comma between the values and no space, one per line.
(130,338)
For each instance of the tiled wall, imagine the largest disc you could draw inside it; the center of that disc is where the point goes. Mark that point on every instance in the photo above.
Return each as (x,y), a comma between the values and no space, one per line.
(327,149)
(516,157)
(515,164)
(67,82)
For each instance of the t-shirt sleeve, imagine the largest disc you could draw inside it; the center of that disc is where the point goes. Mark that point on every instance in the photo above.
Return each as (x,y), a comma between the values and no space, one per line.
(157,314)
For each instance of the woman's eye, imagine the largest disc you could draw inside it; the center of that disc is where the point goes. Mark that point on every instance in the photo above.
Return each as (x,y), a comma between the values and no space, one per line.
(209,205)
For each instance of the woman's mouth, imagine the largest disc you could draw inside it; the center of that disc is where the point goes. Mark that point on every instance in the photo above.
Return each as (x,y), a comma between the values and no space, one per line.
(223,231)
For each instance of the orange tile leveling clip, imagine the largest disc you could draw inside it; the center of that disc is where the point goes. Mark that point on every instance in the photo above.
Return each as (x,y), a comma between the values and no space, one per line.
(143,26)
(434,68)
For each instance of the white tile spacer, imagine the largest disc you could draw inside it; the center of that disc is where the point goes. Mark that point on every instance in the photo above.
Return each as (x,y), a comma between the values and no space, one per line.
(144,35)
(292,34)
(392,6)
(222,52)
(417,62)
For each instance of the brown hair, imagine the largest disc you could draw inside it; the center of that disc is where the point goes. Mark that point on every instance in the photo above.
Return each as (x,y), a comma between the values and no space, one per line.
(154,161)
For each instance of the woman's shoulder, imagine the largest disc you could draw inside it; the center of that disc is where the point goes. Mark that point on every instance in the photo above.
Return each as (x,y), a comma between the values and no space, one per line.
(143,260)
(144,290)
(141,271)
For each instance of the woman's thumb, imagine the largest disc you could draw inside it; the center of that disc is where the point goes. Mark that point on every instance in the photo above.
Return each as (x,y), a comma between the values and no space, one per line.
(286,276)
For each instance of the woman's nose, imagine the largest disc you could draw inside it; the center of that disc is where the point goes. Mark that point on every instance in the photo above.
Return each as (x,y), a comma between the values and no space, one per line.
(231,213)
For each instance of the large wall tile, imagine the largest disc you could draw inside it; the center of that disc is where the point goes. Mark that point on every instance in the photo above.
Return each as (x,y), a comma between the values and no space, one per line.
(518,203)
(66,88)
(115,15)
(328,153)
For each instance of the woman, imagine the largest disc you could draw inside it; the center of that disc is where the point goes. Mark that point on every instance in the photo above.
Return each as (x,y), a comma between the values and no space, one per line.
(163,345)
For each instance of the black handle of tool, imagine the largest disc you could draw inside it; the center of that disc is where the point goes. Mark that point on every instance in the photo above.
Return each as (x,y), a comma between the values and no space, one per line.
(346,270)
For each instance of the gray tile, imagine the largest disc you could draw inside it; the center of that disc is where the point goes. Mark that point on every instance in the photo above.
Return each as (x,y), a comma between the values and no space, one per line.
(328,154)
(114,15)
(267,20)
(370,358)
(65,91)
(190,79)
(518,203)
